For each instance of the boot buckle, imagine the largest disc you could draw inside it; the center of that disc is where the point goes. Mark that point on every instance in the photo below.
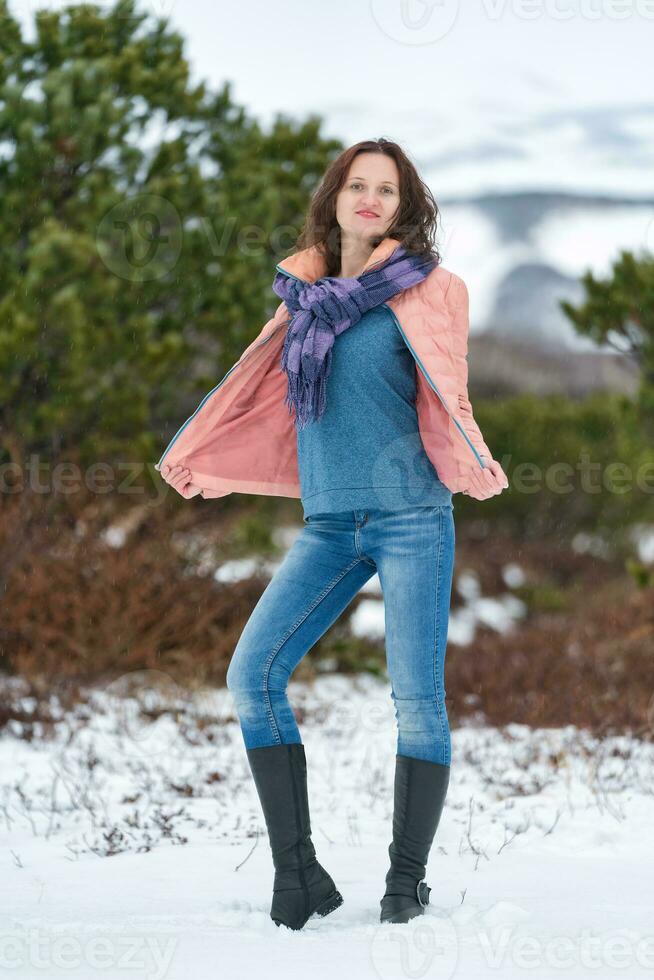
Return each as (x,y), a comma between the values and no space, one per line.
(423,892)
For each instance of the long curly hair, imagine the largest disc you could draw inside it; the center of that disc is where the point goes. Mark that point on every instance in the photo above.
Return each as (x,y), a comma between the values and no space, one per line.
(414,225)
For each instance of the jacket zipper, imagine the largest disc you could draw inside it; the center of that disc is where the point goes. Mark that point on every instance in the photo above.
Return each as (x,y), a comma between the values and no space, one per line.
(209,393)
(420,365)
(424,371)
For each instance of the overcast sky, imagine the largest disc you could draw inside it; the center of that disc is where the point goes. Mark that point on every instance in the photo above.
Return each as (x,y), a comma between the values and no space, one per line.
(482,95)
(494,95)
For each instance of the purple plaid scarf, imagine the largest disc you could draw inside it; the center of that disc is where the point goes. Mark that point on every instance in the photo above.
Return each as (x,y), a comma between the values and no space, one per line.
(322,310)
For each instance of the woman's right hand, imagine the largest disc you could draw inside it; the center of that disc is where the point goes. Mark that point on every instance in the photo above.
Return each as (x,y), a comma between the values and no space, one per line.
(178,477)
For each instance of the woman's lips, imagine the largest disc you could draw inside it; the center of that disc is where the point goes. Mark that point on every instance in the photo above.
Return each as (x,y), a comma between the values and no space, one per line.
(367,214)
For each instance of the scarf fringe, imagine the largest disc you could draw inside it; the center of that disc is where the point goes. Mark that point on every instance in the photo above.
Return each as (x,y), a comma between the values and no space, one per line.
(308,396)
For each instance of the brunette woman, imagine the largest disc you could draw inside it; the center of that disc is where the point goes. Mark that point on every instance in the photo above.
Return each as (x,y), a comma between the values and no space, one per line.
(354,399)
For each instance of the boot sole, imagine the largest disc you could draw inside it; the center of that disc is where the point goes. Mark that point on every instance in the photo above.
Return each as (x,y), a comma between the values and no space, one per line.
(404,916)
(329,904)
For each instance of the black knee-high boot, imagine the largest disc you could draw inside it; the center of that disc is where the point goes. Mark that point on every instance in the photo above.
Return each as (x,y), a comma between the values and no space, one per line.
(419,793)
(301,886)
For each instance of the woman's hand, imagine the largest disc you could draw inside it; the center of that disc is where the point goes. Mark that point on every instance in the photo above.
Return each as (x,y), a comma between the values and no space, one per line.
(179,478)
(487,482)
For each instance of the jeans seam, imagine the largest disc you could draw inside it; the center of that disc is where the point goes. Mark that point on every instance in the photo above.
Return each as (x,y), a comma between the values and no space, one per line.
(437,628)
(357,545)
(330,586)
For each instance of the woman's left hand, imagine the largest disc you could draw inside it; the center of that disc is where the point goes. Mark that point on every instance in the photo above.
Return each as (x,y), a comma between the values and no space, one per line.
(488,482)
(179,478)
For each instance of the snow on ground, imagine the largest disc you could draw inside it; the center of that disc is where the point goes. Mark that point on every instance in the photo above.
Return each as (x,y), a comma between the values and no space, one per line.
(542,864)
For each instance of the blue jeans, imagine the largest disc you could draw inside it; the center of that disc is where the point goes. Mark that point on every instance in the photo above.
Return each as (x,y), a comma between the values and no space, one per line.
(412,550)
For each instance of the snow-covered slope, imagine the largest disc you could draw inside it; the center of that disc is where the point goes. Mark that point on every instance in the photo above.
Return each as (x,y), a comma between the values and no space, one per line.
(541,863)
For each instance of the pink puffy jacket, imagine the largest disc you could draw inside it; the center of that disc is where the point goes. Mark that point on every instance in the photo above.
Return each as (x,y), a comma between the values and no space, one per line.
(241,437)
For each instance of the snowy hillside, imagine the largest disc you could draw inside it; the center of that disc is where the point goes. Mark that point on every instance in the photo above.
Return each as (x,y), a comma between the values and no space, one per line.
(521,252)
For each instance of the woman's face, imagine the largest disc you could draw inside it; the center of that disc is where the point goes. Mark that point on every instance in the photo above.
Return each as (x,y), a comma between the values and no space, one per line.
(368,200)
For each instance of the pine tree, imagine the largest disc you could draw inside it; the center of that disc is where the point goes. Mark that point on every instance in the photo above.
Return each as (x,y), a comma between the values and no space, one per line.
(141,220)
(619,311)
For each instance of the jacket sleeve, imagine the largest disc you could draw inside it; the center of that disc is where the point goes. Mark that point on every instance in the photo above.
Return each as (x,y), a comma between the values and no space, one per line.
(458,301)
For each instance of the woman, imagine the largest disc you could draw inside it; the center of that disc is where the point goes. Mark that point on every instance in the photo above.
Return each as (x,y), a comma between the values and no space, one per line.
(354,398)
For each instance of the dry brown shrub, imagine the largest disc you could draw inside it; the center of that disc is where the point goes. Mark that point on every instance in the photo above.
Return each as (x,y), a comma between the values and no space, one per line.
(77,608)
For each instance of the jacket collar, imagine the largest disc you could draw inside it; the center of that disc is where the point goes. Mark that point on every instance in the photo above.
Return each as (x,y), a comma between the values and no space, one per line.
(309,263)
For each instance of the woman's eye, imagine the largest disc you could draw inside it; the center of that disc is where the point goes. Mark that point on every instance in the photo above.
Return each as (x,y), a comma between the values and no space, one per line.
(354,186)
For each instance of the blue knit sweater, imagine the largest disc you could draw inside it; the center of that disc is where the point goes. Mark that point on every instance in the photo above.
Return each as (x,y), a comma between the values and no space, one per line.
(366,450)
